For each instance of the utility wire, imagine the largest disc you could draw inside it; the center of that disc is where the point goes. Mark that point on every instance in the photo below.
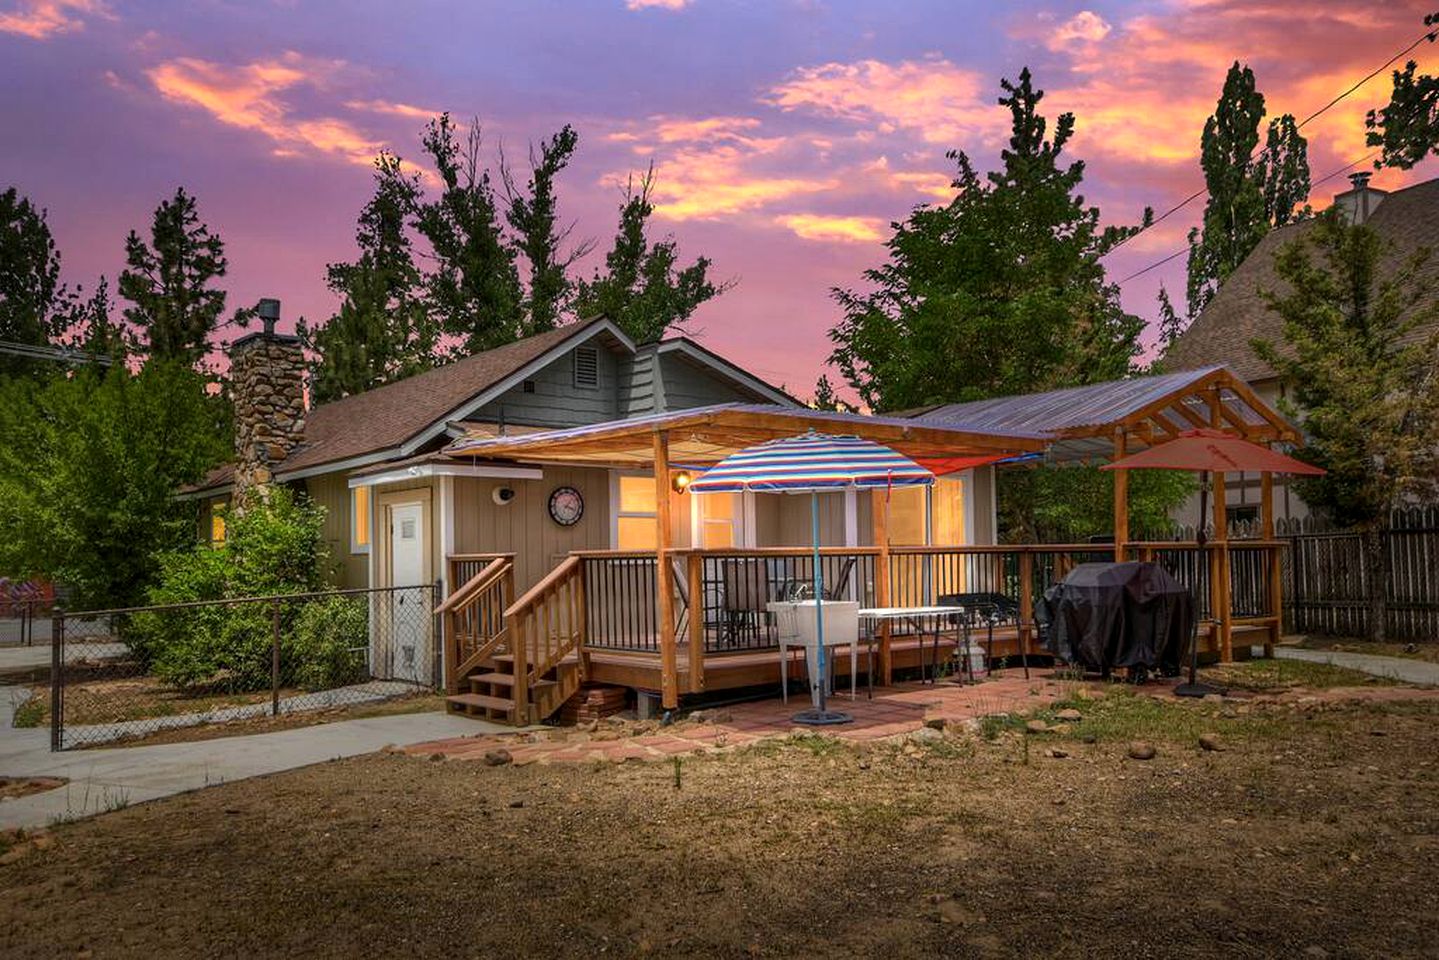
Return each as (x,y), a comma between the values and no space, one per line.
(1327,177)
(1429,36)
(62,354)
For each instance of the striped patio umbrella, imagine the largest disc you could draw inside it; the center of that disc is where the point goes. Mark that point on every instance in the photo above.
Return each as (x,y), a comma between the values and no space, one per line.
(814,463)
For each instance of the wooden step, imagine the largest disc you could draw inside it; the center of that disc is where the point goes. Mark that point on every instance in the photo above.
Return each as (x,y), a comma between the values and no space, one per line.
(480,701)
(503,679)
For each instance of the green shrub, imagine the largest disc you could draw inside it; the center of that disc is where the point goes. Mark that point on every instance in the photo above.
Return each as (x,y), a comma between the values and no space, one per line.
(272,548)
(327,643)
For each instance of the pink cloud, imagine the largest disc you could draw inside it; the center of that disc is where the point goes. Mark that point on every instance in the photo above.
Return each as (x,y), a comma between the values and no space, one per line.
(656,4)
(252,97)
(43,19)
(829,228)
(1085,26)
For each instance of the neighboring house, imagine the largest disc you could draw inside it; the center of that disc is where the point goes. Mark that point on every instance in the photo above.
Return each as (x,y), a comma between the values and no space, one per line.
(1407,220)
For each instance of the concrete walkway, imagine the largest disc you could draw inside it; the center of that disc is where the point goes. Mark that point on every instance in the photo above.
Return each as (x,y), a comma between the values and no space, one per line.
(1419,672)
(102,780)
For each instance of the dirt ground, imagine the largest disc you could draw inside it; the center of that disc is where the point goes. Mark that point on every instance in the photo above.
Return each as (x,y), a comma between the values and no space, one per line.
(1428,651)
(1313,833)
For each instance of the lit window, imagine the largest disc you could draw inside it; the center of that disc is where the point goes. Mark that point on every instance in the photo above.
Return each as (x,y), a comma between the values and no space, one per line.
(637,511)
(359,519)
(217,522)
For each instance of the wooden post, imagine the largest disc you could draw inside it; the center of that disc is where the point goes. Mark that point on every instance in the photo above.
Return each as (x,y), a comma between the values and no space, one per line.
(1276,589)
(694,575)
(665,575)
(1223,613)
(1121,498)
(1026,602)
(879,517)
(520,650)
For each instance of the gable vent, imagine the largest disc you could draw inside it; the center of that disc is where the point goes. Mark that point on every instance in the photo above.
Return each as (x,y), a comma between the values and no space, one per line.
(587,367)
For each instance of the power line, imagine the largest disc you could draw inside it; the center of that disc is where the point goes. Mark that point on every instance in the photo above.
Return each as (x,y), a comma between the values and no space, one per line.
(1179,253)
(36,352)
(1430,36)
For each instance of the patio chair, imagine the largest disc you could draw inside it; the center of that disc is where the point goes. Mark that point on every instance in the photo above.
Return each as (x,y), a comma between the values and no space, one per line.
(682,596)
(746,596)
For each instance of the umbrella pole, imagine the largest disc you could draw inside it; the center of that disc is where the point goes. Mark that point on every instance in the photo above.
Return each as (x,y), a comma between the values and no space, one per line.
(1194,688)
(821,716)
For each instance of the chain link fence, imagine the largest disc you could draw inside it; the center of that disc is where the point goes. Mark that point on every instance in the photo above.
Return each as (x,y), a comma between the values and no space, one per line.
(126,674)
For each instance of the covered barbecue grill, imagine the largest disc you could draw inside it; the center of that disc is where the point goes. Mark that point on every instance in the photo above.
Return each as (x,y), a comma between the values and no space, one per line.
(1107,615)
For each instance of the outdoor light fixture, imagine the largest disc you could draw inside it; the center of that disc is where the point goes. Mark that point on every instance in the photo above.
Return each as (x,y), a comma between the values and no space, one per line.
(681,481)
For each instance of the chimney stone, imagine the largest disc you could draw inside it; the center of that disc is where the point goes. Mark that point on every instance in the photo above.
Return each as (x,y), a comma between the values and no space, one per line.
(267,383)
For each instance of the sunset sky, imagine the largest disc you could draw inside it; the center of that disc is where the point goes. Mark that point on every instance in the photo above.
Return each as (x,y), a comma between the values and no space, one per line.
(786,134)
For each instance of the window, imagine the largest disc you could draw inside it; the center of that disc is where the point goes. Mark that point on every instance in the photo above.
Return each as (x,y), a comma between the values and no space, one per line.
(359,519)
(635,526)
(718,520)
(587,367)
(217,522)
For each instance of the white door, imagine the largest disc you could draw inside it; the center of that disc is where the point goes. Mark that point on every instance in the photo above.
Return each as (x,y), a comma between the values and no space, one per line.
(410,654)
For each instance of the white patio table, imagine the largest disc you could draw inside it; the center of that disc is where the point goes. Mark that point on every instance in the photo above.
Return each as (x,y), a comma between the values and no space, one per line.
(916,617)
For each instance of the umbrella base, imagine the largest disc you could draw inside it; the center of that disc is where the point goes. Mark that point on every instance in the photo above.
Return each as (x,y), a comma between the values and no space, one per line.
(821,718)
(1198,690)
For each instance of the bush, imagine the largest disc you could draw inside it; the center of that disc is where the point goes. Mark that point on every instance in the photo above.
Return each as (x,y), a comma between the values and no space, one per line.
(272,548)
(328,642)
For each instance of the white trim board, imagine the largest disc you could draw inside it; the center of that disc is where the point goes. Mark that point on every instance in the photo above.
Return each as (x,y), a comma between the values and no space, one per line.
(423,470)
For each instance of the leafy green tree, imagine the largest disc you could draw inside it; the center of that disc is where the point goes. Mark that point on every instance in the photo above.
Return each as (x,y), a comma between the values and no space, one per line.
(1407,129)
(1001,291)
(1248,194)
(1075,503)
(642,288)
(89,471)
(474,289)
(533,215)
(29,279)
(169,281)
(382,331)
(1360,362)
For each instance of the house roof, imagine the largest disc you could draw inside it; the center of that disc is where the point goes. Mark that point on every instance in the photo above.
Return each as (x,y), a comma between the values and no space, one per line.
(1406,219)
(707,434)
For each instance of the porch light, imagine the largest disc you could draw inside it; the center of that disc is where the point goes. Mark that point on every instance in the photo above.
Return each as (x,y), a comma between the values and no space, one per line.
(681,481)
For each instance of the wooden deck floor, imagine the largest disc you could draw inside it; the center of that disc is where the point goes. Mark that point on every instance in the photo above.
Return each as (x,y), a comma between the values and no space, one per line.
(641,670)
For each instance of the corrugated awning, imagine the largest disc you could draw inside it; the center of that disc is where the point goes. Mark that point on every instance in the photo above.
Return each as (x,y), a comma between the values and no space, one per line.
(708,434)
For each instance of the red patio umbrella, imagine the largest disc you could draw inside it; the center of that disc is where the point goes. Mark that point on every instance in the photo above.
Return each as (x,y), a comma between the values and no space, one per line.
(1207,451)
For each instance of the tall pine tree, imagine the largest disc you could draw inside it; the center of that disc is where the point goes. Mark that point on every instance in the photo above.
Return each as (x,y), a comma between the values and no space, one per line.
(1000,291)
(533,215)
(170,281)
(474,290)
(382,331)
(642,288)
(1249,194)
(29,279)
(1407,128)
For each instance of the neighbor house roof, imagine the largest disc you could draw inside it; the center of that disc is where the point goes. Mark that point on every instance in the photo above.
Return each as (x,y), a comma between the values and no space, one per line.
(1407,220)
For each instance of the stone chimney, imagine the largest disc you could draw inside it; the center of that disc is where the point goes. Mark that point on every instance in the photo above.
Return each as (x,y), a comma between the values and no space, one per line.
(1360,200)
(267,384)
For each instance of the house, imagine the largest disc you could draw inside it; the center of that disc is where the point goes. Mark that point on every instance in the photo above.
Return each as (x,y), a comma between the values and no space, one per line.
(1407,220)
(542,486)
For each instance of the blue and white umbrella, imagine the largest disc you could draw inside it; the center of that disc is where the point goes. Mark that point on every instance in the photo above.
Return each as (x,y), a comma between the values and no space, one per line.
(814,463)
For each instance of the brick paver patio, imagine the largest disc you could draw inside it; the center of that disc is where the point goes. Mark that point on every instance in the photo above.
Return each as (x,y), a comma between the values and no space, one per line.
(893,711)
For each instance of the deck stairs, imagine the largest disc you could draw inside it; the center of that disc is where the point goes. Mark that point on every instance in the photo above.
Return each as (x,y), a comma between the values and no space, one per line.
(514,660)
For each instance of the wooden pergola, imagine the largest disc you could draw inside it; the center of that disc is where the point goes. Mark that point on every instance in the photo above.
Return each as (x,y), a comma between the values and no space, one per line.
(1101,421)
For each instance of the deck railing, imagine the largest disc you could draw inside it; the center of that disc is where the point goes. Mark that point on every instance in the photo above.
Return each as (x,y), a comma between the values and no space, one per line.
(474,619)
(609,599)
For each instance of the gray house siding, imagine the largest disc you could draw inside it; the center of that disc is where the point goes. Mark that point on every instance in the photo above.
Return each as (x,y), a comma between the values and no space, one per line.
(555,400)
(686,384)
(636,396)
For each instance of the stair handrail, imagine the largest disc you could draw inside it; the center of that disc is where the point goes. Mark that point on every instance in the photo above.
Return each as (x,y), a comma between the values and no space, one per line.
(493,582)
(523,613)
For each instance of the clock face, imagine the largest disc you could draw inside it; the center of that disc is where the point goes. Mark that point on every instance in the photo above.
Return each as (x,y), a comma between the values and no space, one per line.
(566,506)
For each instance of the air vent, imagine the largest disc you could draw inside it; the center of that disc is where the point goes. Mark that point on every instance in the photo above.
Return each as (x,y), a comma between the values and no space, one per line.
(587,367)
(527,387)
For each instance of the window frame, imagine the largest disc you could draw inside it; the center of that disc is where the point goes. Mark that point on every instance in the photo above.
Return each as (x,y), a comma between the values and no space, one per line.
(617,513)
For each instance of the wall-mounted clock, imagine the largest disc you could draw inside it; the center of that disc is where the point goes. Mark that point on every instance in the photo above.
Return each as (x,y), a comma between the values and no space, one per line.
(566,506)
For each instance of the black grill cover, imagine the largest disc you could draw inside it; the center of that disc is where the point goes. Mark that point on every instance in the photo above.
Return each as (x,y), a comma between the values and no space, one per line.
(1106,615)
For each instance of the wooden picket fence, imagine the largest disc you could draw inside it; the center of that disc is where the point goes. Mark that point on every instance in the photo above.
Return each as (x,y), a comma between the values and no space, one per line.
(1324,584)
